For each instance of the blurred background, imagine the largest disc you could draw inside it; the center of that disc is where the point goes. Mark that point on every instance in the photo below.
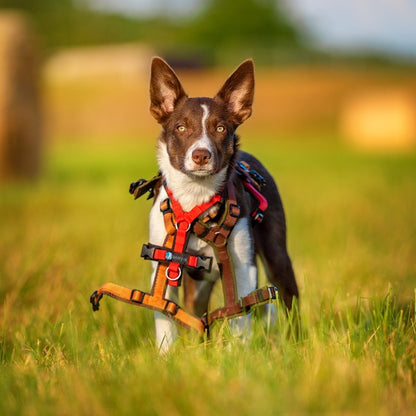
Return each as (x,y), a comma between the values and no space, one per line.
(330,69)
(334,120)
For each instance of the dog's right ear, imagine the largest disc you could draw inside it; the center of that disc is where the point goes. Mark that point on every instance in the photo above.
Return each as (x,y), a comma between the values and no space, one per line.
(165,90)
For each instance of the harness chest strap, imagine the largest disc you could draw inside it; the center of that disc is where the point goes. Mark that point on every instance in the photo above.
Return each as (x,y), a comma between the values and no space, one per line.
(183,222)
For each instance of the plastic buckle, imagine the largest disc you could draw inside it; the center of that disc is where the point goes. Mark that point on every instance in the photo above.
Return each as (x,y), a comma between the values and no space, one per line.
(272,292)
(234,210)
(140,301)
(257,177)
(169,312)
(243,167)
(258,216)
(135,185)
(147,252)
(95,301)
(204,320)
(204,263)
(165,206)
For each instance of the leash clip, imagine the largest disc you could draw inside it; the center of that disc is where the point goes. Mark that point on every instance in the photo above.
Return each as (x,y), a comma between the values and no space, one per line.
(272,292)
(95,300)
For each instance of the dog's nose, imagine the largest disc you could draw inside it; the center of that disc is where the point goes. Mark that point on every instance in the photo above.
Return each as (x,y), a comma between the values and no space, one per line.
(201,156)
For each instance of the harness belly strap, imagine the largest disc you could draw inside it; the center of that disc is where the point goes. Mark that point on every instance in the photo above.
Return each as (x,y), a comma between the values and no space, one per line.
(158,253)
(172,258)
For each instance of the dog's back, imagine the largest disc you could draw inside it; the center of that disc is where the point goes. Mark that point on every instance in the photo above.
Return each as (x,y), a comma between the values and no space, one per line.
(270,235)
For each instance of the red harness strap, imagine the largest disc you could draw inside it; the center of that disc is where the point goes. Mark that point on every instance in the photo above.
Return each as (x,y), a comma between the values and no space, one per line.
(183,224)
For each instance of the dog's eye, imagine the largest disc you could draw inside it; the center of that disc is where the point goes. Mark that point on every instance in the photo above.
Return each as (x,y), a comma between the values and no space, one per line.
(220,129)
(181,128)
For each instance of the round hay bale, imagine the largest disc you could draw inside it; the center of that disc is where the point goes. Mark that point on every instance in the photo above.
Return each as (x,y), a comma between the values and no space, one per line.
(20,108)
(384,119)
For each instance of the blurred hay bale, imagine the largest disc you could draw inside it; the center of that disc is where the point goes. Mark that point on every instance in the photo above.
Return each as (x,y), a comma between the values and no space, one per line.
(99,61)
(98,92)
(20,109)
(380,119)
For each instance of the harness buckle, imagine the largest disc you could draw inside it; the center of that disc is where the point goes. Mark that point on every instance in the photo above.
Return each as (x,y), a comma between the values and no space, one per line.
(95,300)
(272,292)
(147,252)
(165,206)
(234,210)
(140,300)
(258,216)
(204,263)
(171,308)
(204,320)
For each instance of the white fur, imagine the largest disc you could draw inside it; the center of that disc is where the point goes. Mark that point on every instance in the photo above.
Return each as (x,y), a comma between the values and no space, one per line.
(203,143)
(189,191)
(205,115)
(241,251)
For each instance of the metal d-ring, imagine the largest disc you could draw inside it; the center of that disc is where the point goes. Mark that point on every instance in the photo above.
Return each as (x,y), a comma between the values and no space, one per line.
(176,278)
(189,226)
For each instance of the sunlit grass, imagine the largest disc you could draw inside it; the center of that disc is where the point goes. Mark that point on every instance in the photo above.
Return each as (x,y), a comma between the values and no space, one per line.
(352,238)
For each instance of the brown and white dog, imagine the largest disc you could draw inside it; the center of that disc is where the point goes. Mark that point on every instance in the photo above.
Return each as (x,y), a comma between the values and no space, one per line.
(196,153)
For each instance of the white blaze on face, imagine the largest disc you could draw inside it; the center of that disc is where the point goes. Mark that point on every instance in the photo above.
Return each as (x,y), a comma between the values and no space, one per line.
(203,143)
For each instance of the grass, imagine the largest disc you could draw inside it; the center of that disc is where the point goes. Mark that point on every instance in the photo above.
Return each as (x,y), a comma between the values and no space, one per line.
(352,238)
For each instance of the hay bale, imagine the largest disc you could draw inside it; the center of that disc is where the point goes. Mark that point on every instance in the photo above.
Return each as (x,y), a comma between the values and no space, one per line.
(91,62)
(20,109)
(382,119)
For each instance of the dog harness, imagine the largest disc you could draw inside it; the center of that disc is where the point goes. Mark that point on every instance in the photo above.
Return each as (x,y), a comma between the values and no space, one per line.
(212,222)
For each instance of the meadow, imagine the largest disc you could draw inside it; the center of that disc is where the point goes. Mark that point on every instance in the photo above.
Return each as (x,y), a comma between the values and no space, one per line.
(352,239)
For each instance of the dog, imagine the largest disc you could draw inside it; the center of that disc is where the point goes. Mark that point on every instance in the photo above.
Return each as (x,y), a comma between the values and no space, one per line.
(196,152)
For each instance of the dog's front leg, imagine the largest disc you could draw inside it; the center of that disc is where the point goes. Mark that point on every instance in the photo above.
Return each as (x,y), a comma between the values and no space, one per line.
(166,330)
(241,248)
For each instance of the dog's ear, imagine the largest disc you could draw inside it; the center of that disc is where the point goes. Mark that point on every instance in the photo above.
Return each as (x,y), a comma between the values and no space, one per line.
(238,92)
(165,90)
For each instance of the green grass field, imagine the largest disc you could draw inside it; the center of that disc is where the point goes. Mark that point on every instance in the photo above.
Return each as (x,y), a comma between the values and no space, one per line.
(352,237)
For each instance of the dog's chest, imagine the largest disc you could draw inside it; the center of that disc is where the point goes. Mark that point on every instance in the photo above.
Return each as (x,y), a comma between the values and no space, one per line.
(157,229)
(158,234)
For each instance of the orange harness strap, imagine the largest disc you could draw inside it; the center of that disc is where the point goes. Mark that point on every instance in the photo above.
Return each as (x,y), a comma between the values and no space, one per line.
(154,300)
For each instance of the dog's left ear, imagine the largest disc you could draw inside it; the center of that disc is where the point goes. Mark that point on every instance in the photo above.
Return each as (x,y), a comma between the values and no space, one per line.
(238,92)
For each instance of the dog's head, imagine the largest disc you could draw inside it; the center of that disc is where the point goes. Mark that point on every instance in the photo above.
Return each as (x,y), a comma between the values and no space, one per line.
(199,133)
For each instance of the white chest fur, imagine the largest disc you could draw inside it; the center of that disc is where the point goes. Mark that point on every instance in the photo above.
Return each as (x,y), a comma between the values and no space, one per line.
(188,191)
